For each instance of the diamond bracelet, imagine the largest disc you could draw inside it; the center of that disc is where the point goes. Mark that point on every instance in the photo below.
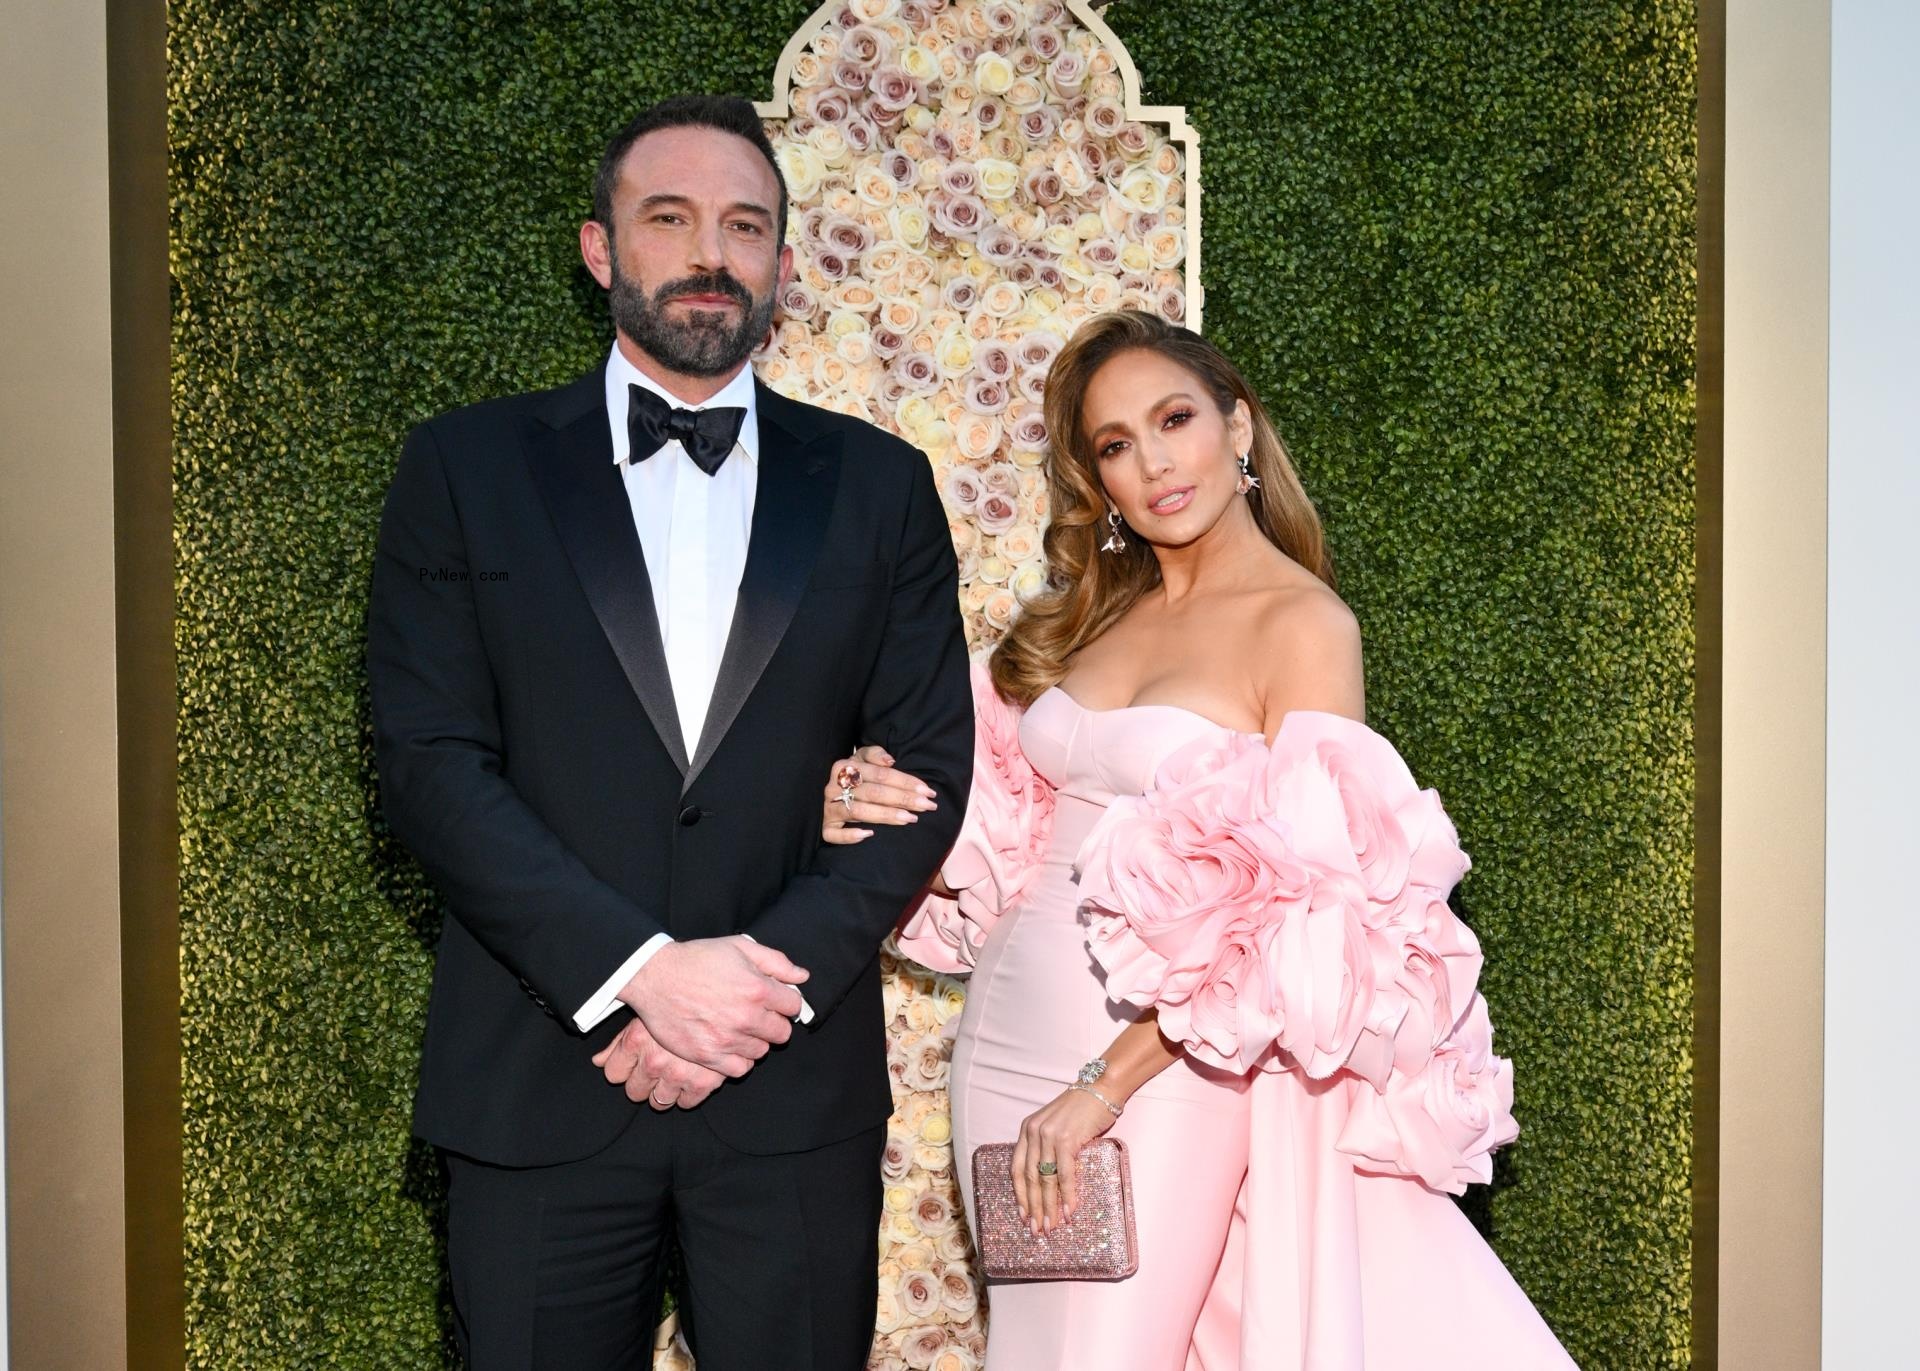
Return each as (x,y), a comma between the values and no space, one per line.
(1090,1073)
(1112,1108)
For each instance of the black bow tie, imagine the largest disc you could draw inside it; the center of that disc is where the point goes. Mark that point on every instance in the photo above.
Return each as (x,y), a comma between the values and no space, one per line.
(708,435)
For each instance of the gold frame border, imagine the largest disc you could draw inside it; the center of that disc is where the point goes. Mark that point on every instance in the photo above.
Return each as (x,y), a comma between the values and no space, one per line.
(1708,454)
(147,705)
(780,106)
(93,1185)
(1764,801)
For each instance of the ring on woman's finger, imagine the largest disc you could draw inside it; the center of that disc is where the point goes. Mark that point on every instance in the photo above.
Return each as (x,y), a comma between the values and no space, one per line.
(849,776)
(1049,1169)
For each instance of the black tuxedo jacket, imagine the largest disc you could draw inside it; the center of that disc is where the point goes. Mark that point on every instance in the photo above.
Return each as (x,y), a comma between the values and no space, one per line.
(530,757)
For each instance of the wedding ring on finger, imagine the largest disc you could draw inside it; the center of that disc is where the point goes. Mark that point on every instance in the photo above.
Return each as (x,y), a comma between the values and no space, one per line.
(1048,1170)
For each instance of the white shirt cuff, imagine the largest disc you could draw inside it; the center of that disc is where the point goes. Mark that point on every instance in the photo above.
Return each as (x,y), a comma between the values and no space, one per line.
(607,998)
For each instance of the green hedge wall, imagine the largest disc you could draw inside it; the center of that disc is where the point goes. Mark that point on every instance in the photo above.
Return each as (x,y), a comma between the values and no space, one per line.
(1451,244)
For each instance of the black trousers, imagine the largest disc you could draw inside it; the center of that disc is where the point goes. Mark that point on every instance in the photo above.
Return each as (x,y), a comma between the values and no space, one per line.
(560,1268)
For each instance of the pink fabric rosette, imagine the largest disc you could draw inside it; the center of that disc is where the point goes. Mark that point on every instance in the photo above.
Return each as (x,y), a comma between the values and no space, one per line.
(1443,1122)
(1284,907)
(1002,840)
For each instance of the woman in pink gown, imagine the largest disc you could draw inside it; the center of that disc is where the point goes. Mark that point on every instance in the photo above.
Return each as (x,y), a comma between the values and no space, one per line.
(1228,890)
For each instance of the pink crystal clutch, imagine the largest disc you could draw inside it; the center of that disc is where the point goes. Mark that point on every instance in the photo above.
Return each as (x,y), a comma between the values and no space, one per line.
(1097,1243)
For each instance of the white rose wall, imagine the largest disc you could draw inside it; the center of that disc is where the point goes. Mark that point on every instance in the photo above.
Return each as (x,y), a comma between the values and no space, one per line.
(1451,248)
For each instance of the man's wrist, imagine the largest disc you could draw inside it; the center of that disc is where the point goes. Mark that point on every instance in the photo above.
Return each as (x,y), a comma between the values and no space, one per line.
(612,992)
(805,1016)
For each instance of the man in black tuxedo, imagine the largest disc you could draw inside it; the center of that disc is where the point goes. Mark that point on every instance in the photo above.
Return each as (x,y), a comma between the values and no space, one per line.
(619,634)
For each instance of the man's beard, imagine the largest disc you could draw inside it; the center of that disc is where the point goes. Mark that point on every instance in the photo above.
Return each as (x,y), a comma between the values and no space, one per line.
(701,344)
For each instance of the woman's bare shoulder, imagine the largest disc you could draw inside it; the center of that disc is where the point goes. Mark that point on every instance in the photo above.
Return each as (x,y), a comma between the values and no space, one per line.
(1308,654)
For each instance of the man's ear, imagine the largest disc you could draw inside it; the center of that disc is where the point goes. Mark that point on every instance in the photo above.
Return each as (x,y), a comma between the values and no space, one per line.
(784,274)
(596,250)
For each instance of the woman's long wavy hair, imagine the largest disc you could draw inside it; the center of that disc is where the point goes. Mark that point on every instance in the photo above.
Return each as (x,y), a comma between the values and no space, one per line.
(1087,590)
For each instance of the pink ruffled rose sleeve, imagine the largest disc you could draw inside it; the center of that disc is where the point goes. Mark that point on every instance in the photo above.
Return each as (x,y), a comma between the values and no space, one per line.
(1284,907)
(1009,820)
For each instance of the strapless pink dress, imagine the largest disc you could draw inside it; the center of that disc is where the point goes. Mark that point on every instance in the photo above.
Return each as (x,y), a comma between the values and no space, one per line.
(1262,1246)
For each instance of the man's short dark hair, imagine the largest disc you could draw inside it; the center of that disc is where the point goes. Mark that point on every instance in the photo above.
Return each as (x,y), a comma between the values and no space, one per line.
(727,113)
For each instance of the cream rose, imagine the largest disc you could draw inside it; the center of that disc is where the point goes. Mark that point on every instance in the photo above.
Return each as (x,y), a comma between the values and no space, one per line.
(1021,543)
(909,224)
(1028,580)
(953,1247)
(922,1346)
(830,143)
(803,169)
(933,1214)
(856,349)
(919,62)
(958,1292)
(913,412)
(993,73)
(998,179)
(1103,293)
(1166,247)
(927,1065)
(953,354)
(1144,187)
(953,1358)
(994,569)
(920,1015)
(976,438)
(875,187)
(916,1256)
(887,1315)
(1075,175)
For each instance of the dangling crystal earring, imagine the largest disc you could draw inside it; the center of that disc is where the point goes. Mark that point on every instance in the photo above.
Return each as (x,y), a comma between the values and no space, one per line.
(1114,543)
(1248,481)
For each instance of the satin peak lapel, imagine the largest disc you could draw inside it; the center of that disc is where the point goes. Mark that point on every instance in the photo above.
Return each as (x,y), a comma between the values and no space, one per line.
(791,508)
(573,466)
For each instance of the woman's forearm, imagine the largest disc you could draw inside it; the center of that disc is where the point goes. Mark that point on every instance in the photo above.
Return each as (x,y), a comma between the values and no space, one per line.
(1135,1057)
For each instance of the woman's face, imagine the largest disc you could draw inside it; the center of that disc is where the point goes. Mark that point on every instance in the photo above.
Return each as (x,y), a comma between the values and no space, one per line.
(1167,457)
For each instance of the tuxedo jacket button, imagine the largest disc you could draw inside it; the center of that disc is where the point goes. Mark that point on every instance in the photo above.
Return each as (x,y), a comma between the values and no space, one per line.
(690,816)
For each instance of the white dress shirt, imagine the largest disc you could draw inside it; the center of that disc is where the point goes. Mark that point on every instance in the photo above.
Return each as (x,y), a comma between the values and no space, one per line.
(693,533)
(693,529)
